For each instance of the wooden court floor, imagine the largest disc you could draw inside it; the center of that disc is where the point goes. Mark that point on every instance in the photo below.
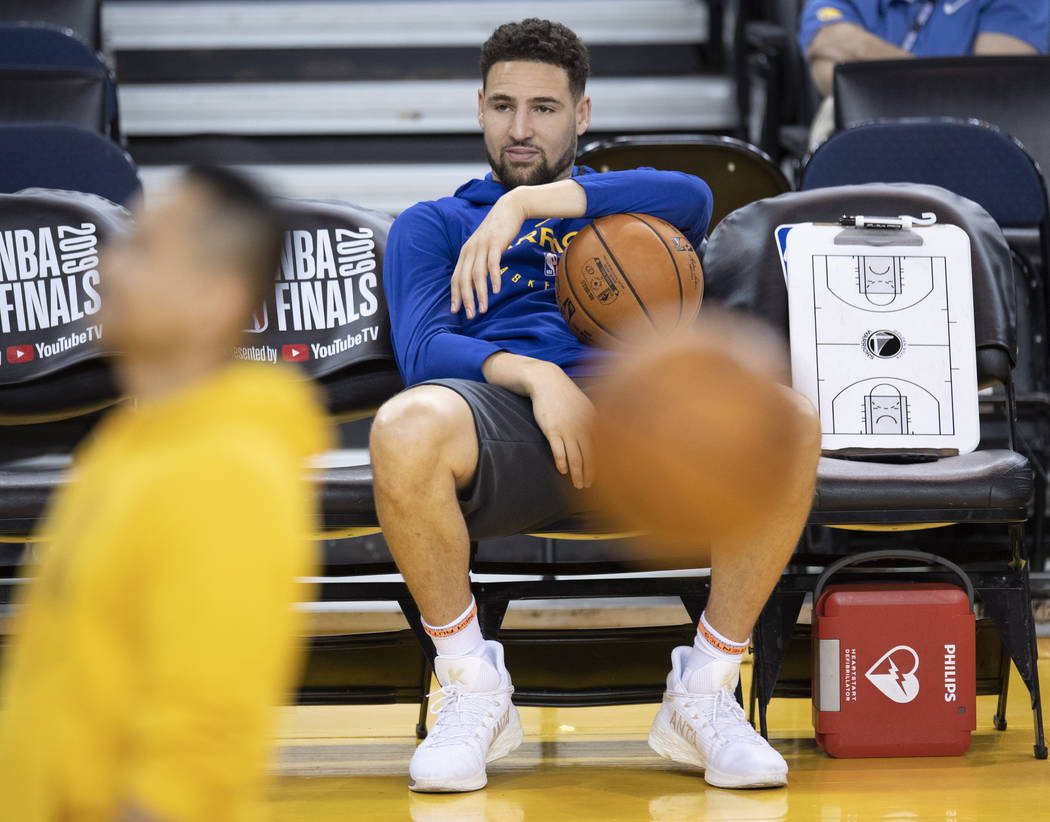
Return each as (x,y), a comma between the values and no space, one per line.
(349,763)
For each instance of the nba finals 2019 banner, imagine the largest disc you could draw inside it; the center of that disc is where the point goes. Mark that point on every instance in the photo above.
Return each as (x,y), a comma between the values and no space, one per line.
(327,309)
(49,279)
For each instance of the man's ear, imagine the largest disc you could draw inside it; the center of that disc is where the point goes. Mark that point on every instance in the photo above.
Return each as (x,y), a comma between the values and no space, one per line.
(583,115)
(481,108)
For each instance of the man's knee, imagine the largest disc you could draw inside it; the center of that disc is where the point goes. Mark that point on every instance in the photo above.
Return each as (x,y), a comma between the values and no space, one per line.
(427,424)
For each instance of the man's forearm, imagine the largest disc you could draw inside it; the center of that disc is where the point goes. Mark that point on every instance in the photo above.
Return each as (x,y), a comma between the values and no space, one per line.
(844,43)
(991,42)
(564,199)
(516,373)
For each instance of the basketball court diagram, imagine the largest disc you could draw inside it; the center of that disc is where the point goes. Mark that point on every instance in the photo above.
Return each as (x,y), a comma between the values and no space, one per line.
(882,343)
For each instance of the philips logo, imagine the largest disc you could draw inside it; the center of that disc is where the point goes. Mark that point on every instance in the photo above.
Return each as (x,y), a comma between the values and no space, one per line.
(949,673)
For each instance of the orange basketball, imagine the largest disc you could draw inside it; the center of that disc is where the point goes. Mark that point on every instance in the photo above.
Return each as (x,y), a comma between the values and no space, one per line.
(626,278)
(697,438)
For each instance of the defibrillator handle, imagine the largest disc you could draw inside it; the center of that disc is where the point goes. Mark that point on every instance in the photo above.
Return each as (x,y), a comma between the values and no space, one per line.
(875,556)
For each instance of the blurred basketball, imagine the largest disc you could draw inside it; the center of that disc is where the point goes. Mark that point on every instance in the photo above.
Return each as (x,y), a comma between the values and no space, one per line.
(696,436)
(627,277)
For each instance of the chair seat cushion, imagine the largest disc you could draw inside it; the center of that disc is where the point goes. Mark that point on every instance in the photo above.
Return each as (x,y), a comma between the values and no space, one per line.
(997,480)
(984,481)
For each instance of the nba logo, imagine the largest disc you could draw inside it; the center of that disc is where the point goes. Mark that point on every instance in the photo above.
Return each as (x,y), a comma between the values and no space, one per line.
(260,320)
(550,264)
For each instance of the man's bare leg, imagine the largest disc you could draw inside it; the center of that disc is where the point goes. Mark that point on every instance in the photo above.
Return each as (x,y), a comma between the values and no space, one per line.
(699,722)
(424,449)
(744,571)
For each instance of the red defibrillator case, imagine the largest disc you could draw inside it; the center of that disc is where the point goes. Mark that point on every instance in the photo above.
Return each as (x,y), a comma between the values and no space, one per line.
(894,664)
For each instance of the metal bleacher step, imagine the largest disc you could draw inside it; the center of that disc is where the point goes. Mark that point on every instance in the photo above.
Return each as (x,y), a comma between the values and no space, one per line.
(210,24)
(401,73)
(411,106)
(389,187)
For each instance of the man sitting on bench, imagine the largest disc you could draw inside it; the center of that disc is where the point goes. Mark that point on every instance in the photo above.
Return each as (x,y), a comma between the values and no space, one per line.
(492,436)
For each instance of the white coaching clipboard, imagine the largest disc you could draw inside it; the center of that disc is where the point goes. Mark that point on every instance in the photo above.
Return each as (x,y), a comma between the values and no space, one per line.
(882,334)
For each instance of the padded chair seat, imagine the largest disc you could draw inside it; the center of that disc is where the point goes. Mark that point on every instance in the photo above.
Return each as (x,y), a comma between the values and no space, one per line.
(984,481)
(25,487)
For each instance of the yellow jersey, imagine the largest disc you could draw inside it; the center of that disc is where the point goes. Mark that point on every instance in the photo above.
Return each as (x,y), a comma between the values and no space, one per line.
(159,630)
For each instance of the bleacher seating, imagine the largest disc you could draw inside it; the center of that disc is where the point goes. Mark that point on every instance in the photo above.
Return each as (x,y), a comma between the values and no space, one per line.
(28,46)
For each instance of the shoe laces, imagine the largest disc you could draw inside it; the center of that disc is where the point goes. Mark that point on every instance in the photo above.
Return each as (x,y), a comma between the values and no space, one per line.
(461,713)
(723,714)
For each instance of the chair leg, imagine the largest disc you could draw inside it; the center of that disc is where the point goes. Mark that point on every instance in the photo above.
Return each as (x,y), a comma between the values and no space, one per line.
(772,638)
(1011,608)
(999,720)
(424,702)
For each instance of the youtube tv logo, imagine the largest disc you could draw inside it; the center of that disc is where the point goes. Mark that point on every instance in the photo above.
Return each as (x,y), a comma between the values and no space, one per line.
(295,353)
(20,353)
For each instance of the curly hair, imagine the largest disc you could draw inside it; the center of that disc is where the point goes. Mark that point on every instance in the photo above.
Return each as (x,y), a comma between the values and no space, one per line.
(539,41)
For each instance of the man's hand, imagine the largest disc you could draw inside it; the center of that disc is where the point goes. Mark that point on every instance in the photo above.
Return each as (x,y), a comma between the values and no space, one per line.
(479,259)
(563,412)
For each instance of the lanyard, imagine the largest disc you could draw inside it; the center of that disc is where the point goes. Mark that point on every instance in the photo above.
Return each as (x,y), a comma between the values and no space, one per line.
(921,19)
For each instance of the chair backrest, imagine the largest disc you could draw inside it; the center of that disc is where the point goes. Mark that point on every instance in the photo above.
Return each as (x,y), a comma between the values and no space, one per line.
(75,96)
(971,158)
(328,311)
(53,155)
(50,338)
(1009,92)
(737,172)
(36,45)
(82,16)
(742,265)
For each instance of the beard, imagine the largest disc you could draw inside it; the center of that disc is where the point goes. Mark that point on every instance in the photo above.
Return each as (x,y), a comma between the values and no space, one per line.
(537,173)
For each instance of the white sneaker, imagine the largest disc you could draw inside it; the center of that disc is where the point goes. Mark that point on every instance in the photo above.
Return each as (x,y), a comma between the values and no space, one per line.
(476,724)
(701,724)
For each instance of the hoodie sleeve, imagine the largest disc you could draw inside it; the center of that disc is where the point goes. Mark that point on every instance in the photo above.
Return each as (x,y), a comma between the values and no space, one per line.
(427,336)
(683,200)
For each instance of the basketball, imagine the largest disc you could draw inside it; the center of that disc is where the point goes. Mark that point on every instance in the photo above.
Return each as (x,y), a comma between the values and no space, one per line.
(696,435)
(627,277)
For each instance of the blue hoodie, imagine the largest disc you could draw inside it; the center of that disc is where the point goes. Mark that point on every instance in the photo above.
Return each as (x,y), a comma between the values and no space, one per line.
(430,342)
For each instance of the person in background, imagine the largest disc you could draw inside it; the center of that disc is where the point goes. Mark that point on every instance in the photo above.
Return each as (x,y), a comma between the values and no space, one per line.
(840,31)
(159,630)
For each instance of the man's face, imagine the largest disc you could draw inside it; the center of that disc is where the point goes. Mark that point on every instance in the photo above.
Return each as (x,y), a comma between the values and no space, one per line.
(531,122)
(160,290)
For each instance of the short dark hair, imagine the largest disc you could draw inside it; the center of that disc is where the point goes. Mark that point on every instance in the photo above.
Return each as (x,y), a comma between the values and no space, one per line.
(243,227)
(539,41)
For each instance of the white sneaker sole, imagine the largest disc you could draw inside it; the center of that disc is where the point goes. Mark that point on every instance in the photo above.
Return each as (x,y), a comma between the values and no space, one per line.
(669,744)
(505,742)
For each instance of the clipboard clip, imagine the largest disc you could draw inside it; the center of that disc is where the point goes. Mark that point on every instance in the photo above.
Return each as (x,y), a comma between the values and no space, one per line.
(901,223)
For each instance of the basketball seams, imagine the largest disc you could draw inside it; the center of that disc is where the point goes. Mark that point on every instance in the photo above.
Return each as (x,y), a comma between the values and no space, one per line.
(677,272)
(623,274)
(572,290)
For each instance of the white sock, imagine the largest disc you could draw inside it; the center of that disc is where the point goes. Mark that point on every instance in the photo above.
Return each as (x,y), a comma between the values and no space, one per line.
(710,646)
(461,637)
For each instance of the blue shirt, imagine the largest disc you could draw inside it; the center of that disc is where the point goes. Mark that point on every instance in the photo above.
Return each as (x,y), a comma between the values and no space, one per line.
(950,31)
(430,342)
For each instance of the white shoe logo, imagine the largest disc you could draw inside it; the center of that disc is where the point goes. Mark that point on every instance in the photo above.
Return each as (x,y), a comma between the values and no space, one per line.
(951,8)
(899,686)
(457,675)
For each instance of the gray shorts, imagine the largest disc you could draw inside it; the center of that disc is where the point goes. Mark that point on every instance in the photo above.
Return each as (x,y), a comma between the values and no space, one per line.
(516,488)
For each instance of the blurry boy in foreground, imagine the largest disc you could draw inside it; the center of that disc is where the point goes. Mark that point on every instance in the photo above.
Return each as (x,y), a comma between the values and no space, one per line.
(159,631)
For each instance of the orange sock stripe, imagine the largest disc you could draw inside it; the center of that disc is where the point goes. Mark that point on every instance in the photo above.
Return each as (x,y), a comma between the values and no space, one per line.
(452,629)
(715,642)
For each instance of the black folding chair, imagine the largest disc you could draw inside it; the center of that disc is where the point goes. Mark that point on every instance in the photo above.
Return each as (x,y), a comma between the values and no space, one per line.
(37,46)
(1008,92)
(81,16)
(984,164)
(67,157)
(737,172)
(988,490)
